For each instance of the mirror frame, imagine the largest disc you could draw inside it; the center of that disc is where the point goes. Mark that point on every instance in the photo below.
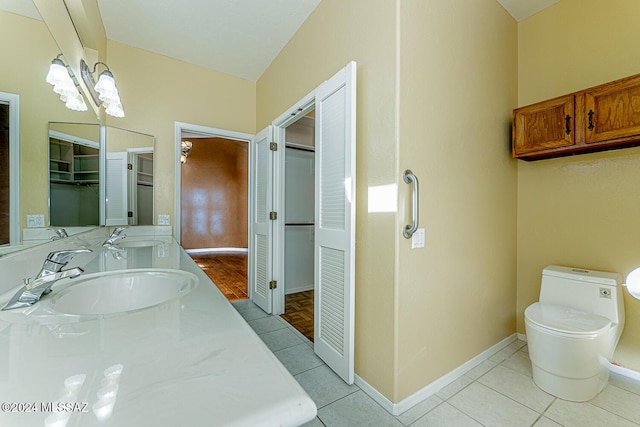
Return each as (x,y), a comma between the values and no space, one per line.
(15,225)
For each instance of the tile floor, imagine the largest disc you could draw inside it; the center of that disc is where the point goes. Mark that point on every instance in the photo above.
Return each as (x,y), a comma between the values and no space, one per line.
(498,392)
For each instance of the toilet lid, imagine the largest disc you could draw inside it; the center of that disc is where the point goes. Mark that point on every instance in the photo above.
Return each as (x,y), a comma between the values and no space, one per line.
(565,319)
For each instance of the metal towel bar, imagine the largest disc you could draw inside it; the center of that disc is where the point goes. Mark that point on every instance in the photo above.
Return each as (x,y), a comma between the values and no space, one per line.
(409,178)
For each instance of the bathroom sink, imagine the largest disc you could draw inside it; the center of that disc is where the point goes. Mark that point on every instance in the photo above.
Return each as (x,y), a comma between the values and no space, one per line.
(139,243)
(121,291)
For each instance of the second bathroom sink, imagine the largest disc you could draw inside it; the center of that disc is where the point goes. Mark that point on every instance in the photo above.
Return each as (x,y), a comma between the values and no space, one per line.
(121,291)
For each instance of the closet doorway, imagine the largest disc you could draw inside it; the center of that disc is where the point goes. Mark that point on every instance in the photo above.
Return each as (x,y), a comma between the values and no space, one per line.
(214,207)
(299,227)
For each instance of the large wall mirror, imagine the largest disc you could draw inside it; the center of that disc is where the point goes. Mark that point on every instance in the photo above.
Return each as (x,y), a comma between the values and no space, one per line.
(99,175)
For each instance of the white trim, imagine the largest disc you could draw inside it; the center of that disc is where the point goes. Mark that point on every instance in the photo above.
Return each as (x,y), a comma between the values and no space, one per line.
(216,250)
(102,176)
(290,116)
(434,387)
(140,150)
(522,337)
(297,289)
(14,165)
(74,139)
(624,372)
(211,132)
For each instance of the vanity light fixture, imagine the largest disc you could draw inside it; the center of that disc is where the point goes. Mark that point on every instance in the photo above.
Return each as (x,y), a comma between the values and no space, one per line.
(64,84)
(105,90)
(185,149)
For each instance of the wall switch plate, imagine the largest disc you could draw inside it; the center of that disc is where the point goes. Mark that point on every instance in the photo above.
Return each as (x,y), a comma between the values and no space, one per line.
(34,221)
(164,219)
(417,240)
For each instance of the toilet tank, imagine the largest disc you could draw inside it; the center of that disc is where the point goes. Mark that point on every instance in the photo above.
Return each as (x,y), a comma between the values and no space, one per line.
(596,292)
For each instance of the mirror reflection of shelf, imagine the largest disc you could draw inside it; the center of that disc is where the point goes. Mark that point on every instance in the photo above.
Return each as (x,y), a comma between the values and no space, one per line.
(71,163)
(145,170)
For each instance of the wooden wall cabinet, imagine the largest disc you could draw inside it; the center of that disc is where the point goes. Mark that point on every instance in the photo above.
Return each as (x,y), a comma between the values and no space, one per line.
(604,117)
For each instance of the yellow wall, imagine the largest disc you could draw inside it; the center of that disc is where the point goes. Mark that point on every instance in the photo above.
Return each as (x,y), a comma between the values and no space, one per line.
(582,210)
(26,49)
(337,32)
(436,86)
(158,91)
(458,85)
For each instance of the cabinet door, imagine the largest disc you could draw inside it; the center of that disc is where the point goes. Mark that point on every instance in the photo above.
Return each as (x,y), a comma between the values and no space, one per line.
(613,110)
(544,126)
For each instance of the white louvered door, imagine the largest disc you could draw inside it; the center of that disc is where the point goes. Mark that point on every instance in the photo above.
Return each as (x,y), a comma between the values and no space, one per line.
(335,222)
(261,253)
(116,189)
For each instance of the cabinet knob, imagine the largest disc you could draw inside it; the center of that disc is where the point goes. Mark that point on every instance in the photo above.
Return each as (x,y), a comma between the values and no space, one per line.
(567,124)
(590,114)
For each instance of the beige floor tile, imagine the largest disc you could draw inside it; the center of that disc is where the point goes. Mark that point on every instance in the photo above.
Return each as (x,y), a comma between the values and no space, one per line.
(518,387)
(446,415)
(489,407)
(519,362)
(419,410)
(573,414)
(620,402)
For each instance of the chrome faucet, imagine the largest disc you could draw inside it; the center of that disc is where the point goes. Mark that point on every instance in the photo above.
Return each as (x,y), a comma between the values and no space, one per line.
(51,272)
(116,234)
(60,234)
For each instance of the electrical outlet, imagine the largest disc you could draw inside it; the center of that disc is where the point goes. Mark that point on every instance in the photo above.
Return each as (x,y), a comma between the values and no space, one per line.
(34,221)
(164,219)
(417,240)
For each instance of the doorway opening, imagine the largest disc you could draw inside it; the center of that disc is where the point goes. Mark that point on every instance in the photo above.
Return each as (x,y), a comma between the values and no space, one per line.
(5,212)
(299,224)
(213,208)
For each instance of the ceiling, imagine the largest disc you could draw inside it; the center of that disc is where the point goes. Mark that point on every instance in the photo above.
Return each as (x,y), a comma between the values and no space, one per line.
(237,37)
(522,9)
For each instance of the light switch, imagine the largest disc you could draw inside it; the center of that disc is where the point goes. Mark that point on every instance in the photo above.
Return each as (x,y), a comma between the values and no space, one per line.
(417,240)
(164,219)
(34,221)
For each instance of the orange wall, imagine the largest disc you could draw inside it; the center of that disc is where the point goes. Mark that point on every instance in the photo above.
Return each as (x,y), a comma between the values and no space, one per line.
(214,194)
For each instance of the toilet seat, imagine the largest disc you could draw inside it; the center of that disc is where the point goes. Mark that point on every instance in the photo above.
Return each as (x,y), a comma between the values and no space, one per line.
(566,321)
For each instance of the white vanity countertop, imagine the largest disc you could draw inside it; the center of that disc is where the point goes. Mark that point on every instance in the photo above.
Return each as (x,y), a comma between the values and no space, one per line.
(192,361)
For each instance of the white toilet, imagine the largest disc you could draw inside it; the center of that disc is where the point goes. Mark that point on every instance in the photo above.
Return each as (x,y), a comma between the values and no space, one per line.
(573,331)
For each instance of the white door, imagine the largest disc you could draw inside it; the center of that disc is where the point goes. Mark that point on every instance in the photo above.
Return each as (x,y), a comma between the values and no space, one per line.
(116,189)
(334,266)
(261,190)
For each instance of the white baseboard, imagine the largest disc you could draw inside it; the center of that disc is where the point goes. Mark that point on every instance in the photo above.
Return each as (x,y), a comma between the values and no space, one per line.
(297,289)
(624,372)
(216,250)
(434,387)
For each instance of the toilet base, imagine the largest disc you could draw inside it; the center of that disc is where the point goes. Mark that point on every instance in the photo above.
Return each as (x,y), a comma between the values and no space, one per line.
(574,389)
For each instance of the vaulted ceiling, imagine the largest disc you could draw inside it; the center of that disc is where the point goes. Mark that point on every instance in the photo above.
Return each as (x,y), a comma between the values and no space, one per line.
(237,37)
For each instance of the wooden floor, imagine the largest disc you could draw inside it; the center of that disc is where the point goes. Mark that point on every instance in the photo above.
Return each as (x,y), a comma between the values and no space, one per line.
(228,270)
(298,311)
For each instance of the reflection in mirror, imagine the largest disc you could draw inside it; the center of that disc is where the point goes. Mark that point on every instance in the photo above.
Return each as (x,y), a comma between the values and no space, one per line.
(129,177)
(74,169)
(83,175)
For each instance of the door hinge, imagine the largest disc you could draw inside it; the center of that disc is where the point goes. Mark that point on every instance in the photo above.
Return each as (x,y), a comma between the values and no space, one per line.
(273,284)
(273,215)
(273,146)
(129,166)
